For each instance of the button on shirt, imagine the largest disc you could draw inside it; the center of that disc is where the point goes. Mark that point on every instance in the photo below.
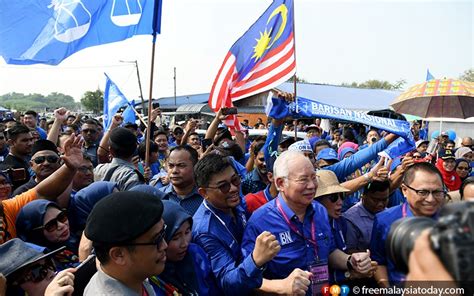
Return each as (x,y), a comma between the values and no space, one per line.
(190,202)
(382,224)
(296,251)
(359,227)
(220,236)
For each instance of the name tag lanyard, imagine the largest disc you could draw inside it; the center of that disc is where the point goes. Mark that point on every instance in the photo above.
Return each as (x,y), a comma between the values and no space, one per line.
(295,229)
(222,222)
(404,210)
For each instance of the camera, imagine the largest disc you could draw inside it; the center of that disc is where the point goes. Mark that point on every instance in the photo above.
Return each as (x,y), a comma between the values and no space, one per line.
(373,140)
(451,237)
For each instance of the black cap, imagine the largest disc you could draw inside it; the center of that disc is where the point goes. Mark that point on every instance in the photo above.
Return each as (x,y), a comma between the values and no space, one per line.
(446,154)
(42,145)
(122,217)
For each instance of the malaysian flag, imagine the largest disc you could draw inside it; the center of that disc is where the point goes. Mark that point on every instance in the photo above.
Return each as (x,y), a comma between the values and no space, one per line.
(264,57)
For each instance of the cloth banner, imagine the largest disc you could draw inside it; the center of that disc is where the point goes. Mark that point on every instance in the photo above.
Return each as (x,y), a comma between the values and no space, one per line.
(307,108)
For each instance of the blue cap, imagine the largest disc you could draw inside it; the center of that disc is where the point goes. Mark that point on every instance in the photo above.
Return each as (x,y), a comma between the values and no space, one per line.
(327,154)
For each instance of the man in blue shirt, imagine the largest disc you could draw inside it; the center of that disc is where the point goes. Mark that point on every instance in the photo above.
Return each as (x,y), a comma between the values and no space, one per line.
(182,188)
(256,179)
(218,227)
(423,187)
(31,121)
(360,218)
(301,226)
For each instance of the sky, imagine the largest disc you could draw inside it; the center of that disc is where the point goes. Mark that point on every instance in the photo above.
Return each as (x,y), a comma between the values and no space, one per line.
(336,42)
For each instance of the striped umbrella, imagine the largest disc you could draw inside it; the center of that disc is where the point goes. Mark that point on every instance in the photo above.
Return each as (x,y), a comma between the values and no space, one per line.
(438,98)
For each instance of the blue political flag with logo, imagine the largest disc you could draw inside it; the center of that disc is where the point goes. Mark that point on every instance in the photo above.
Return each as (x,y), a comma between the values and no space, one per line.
(39,31)
(128,114)
(113,101)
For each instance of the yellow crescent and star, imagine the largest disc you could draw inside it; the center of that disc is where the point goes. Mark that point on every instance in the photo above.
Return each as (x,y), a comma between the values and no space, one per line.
(265,41)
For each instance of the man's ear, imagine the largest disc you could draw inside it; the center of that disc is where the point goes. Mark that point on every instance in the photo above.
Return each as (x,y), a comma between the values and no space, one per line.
(10,142)
(117,255)
(280,183)
(203,192)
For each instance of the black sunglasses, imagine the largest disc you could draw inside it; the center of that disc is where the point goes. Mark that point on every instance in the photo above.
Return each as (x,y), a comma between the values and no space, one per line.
(53,224)
(35,273)
(49,158)
(92,131)
(225,187)
(333,197)
(157,242)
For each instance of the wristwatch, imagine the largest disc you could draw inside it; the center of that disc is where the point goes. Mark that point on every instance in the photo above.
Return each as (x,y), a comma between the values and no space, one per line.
(349,264)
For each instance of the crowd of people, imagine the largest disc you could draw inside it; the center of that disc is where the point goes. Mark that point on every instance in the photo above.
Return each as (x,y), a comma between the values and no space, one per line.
(92,210)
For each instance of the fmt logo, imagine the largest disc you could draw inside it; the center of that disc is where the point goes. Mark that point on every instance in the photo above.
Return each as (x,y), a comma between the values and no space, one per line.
(335,290)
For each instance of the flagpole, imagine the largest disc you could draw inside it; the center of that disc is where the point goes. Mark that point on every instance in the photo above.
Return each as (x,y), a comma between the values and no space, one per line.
(294,77)
(156,20)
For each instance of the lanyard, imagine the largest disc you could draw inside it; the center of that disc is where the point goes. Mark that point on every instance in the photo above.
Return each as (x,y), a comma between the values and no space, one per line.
(404,210)
(312,240)
(222,222)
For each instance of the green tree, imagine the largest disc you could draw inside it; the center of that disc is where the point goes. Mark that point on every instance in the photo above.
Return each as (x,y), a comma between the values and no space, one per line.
(93,100)
(468,75)
(376,84)
(37,102)
(298,79)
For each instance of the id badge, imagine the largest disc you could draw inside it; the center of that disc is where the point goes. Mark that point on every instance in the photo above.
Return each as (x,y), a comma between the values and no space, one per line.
(319,276)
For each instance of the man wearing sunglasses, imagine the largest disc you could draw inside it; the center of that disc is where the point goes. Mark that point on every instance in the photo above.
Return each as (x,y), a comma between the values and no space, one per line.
(219,225)
(127,233)
(44,161)
(425,194)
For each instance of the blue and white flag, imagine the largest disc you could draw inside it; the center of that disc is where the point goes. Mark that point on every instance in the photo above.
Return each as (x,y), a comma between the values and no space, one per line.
(308,108)
(113,101)
(128,114)
(39,31)
(429,76)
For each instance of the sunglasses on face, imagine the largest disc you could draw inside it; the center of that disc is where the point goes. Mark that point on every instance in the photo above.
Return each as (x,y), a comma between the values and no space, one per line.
(92,131)
(157,242)
(50,159)
(333,197)
(35,273)
(225,187)
(53,224)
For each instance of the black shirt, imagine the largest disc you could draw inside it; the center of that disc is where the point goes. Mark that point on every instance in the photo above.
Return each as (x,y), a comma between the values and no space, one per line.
(17,163)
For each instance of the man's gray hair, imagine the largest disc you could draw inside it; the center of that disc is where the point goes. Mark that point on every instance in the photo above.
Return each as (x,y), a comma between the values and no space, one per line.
(280,167)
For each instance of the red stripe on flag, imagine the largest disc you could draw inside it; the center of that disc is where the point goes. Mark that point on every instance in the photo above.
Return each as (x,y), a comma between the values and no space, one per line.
(217,79)
(266,82)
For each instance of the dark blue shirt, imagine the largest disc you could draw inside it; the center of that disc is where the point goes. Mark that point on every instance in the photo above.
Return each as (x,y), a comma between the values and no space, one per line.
(296,251)
(220,236)
(382,223)
(253,183)
(190,202)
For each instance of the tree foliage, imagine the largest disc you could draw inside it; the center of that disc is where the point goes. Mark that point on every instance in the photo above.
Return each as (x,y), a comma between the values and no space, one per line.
(93,101)
(468,75)
(38,102)
(377,84)
(298,79)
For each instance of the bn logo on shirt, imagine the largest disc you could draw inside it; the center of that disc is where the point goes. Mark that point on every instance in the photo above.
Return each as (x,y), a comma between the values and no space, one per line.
(285,238)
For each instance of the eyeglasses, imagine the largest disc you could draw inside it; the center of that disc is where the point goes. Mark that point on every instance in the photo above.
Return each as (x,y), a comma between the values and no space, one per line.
(157,242)
(225,187)
(85,169)
(463,168)
(416,156)
(333,197)
(92,131)
(53,224)
(425,193)
(262,159)
(35,273)
(49,158)
(305,180)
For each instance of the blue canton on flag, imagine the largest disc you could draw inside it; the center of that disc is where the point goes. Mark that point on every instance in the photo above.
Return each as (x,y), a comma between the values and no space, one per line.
(38,31)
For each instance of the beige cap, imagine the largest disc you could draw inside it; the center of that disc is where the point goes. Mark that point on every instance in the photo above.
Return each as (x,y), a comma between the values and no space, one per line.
(328,183)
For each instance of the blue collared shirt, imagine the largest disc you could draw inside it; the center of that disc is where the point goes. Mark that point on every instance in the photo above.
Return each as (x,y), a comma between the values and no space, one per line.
(382,223)
(359,227)
(252,183)
(190,202)
(296,251)
(220,236)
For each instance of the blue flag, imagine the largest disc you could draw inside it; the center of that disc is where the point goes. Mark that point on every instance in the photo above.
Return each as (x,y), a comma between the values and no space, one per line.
(113,101)
(128,114)
(38,31)
(428,75)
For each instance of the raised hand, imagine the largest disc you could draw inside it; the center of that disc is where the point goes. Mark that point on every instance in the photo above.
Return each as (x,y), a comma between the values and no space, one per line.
(72,152)
(361,262)
(266,247)
(297,282)
(61,114)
